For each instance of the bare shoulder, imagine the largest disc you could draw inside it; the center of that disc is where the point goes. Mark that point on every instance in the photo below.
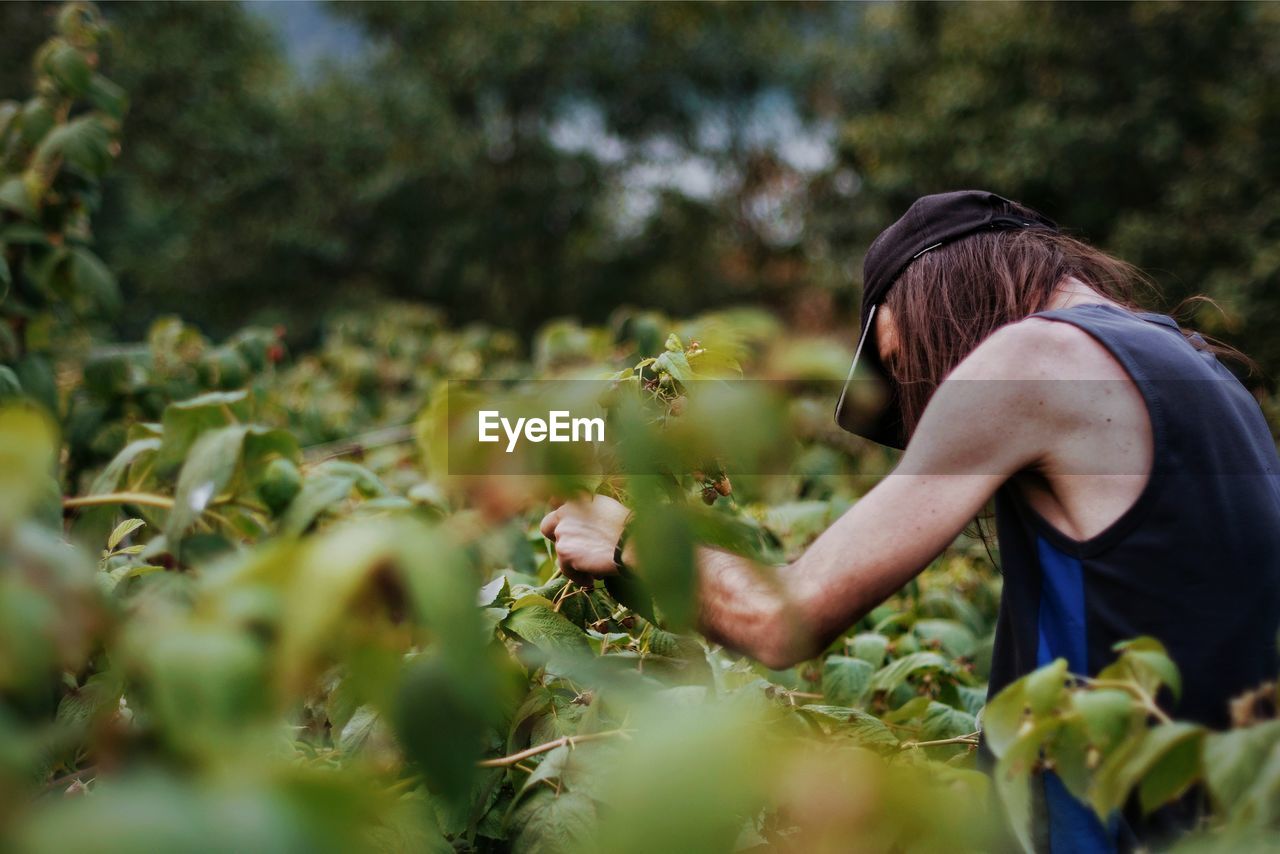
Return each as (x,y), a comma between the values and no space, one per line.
(1037,348)
(1007,400)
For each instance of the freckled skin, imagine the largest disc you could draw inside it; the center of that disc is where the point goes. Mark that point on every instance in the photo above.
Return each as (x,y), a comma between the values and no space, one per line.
(972,438)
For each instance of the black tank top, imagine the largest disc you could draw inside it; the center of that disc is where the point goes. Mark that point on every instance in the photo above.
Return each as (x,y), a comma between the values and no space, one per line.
(1195,562)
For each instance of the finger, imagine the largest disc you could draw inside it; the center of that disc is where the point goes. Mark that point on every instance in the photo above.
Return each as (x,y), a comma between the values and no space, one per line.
(549,522)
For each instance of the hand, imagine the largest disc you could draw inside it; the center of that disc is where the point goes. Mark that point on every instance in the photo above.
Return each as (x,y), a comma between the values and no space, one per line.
(585,533)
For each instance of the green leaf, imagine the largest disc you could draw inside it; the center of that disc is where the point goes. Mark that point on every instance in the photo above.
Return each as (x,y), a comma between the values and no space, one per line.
(14,197)
(854,724)
(1169,753)
(209,468)
(546,629)
(1108,716)
(1234,759)
(107,96)
(490,594)
(1260,806)
(124,529)
(845,680)
(206,683)
(971,699)
(94,281)
(869,646)
(1046,687)
(942,721)
(1145,661)
(665,554)
(952,637)
(358,729)
(438,728)
(676,364)
(68,67)
(83,144)
(1172,774)
(28,454)
(318,494)
(186,420)
(550,823)
(1014,773)
(98,698)
(109,479)
(897,672)
(552,767)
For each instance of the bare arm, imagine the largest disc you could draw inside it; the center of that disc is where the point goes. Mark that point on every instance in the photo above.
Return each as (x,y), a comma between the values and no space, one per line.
(973,436)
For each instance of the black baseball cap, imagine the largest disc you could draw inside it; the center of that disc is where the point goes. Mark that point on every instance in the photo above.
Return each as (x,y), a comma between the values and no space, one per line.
(930,222)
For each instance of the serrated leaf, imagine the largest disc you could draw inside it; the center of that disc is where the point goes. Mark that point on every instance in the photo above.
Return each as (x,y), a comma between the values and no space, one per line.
(971,699)
(897,672)
(1168,752)
(124,529)
(1234,759)
(942,721)
(550,823)
(846,680)
(869,646)
(952,637)
(676,364)
(855,724)
(546,629)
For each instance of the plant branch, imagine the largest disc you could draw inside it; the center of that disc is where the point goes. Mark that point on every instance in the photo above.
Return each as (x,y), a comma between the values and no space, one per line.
(569,740)
(1148,702)
(142,499)
(971,739)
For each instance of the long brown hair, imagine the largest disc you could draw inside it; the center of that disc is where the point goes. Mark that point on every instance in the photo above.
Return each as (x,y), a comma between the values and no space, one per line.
(950,299)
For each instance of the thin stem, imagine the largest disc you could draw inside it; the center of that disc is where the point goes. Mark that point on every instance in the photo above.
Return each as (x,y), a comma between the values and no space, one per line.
(1148,702)
(971,739)
(74,776)
(569,740)
(792,695)
(142,499)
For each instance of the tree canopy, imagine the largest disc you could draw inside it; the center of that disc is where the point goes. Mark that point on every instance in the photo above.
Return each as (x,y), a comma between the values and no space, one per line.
(518,162)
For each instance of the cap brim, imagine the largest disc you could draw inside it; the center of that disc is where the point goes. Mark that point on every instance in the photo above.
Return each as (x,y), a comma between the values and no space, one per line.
(868,405)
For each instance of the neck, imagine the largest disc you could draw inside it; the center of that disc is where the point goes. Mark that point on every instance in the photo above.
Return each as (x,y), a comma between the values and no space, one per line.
(1073,292)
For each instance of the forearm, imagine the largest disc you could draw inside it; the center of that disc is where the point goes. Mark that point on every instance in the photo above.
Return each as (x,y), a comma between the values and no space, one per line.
(783,615)
(757,610)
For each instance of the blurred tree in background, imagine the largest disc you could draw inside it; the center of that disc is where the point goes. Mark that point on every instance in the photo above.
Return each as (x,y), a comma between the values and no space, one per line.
(514,163)
(1148,129)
